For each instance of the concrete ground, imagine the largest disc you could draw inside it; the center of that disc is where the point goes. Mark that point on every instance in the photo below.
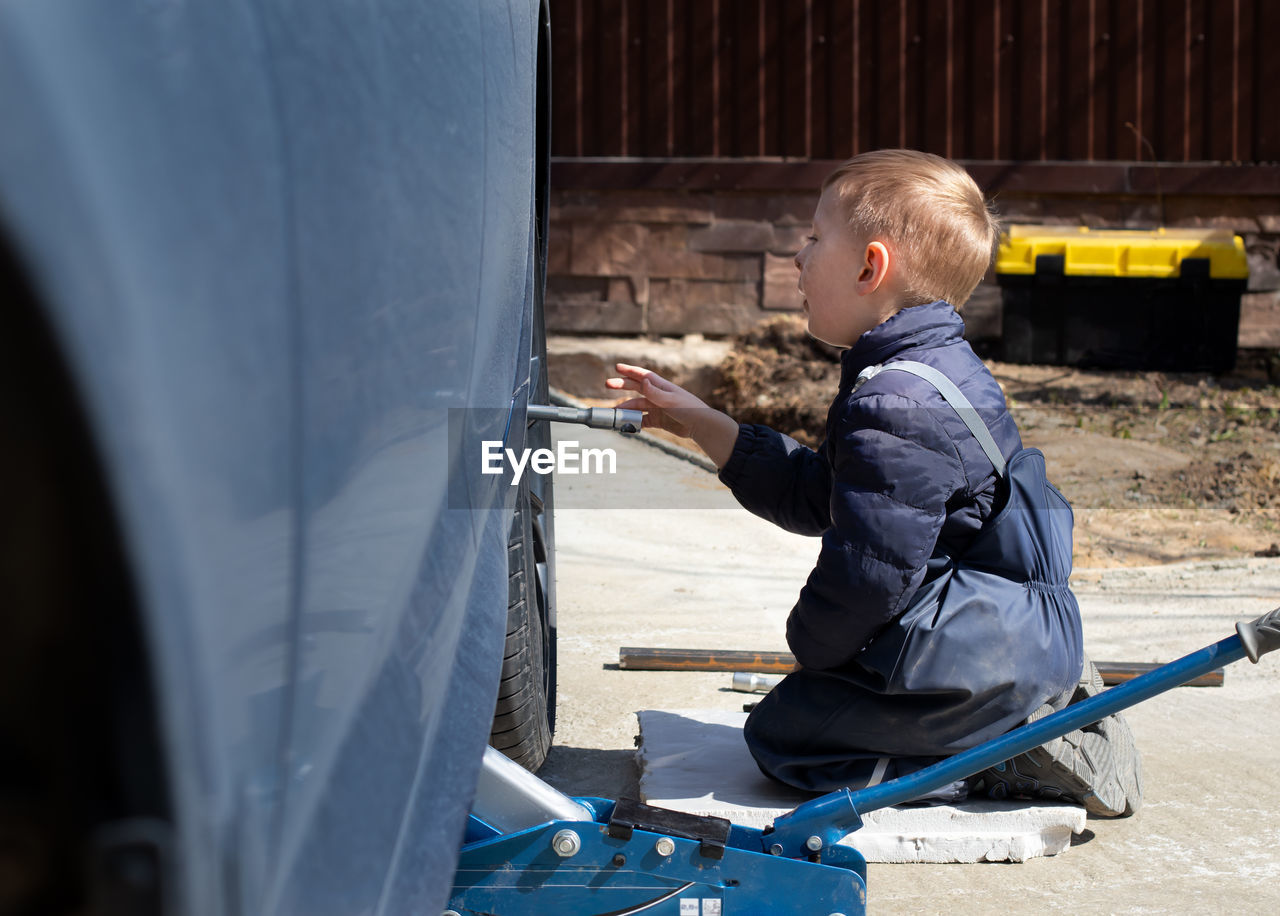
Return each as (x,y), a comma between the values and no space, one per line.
(659,554)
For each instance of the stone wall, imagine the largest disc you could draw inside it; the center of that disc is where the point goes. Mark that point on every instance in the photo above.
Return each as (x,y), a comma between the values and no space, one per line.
(670,263)
(660,263)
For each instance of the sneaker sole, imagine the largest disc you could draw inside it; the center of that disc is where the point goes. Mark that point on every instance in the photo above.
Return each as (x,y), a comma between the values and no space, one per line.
(1098,766)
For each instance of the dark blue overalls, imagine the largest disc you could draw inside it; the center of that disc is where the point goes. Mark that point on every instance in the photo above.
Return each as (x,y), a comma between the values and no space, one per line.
(991,635)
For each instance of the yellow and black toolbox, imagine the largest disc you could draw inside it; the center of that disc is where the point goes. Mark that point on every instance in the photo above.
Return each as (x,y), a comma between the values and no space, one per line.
(1121,298)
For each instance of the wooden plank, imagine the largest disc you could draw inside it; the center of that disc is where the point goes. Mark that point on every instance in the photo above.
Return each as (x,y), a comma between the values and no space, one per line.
(1053,84)
(1107,124)
(1162,80)
(883,52)
(793,100)
(1244,41)
(637,78)
(931,63)
(1147,91)
(587,137)
(1073,38)
(700,85)
(839,79)
(818,75)
(1007,80)
(1266,126)
(632,658)
(725,94)
(658,89)
(770,63)
(978,89)
(1126,82)
(1026,125)
(565,109)
(609,110)
(680,84)
(748,118)
(866,69)
(1174,69)
(1201,106)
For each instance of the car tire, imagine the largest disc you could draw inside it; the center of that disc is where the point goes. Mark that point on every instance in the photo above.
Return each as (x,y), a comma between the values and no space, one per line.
(524,716)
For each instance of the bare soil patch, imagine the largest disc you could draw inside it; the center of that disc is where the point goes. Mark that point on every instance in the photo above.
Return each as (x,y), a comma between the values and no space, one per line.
(1160,467)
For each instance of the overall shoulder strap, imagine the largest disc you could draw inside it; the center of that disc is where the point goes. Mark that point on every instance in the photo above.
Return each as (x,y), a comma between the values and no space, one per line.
(953,396)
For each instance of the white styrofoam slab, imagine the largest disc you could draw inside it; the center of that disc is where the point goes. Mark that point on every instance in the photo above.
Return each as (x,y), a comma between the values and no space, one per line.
(696,761)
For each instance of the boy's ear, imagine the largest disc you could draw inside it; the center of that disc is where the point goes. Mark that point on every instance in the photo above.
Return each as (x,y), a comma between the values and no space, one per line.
(876,262)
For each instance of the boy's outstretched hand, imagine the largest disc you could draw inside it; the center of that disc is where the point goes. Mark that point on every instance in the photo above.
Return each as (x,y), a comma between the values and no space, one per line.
(670,407)
(666,404)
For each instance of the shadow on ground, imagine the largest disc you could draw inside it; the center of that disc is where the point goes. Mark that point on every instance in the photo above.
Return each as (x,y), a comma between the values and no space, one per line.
(585,771)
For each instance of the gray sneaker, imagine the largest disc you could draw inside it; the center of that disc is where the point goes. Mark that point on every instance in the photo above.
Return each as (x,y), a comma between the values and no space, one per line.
(1097,766)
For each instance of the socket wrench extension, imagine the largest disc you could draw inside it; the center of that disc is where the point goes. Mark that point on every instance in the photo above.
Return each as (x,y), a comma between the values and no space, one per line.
(626,422)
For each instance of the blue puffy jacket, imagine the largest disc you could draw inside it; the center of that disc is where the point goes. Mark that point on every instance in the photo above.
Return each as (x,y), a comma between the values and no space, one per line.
(898,478)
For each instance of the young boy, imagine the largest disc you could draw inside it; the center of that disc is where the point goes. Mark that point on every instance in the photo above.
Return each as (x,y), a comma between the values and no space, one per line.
(900,487)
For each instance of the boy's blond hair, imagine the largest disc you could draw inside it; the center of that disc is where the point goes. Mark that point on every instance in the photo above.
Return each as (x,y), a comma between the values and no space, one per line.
(930,211)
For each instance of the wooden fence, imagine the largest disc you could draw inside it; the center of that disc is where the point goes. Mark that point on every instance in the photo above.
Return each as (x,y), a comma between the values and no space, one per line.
(1005,80)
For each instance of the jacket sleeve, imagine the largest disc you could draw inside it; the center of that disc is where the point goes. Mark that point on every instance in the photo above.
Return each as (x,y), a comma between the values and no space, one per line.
(895,469)
(780,480)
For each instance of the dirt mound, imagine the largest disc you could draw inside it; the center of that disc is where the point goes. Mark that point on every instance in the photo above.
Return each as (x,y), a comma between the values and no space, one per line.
(1242,484)
(1159,466)
(778,375)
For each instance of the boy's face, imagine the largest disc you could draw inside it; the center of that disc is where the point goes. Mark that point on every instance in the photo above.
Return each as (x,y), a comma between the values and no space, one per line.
(834,266)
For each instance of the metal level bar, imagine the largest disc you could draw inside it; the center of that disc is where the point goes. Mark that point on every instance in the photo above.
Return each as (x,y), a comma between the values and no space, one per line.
(1119,672)
(643,658)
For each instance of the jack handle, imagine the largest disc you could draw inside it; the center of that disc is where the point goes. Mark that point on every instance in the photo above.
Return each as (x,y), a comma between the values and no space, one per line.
(627,422)
(822,821)
(1260,636)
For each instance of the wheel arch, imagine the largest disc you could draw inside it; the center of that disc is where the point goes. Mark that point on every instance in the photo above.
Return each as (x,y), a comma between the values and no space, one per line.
(78,713)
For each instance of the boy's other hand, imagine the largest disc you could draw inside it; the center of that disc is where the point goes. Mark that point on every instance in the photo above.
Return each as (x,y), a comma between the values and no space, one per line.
(668,406)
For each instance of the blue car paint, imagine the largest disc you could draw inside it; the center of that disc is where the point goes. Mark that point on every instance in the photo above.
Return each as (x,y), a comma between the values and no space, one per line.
(277,241)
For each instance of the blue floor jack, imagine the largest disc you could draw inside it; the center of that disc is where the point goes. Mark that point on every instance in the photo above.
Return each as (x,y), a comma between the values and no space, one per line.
(531,850)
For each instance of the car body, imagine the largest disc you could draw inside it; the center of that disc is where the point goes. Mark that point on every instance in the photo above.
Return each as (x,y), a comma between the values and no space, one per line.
(257,251)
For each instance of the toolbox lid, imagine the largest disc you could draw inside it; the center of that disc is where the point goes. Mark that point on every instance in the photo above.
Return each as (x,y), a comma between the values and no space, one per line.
(1121,252)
